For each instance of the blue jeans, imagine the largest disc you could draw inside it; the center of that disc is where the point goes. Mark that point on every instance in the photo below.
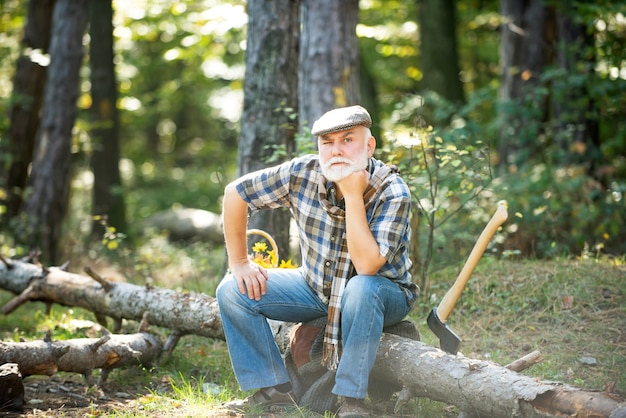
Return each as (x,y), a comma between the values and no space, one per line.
(368,304)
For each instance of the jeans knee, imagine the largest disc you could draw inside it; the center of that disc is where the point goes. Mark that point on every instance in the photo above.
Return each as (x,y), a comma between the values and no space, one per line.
(360,293)
(361,286)
(225,288)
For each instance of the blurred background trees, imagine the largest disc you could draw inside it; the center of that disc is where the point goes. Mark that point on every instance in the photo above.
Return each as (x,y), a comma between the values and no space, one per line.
(475,101)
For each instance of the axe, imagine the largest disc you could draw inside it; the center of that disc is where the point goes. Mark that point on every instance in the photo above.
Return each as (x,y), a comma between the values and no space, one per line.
(438,317)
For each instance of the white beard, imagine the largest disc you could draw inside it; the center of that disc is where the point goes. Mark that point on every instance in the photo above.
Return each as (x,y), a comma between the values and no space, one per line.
(337,173)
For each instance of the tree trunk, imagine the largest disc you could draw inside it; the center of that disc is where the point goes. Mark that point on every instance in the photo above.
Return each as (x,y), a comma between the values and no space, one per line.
(28,87)
(483,389)
(269,124)
(576,131)
(329,65)
(525,50)
(108,200)
(181,313)
(476,387)
(50,178)
(82,355)
(438,49)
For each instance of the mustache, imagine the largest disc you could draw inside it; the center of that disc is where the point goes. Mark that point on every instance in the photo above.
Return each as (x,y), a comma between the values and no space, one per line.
(336,160)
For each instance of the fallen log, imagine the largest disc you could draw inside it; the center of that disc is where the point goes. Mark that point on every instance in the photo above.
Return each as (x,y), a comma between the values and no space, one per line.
(478,388)
(483,389)
(186,224)
(82,355)
(181,313)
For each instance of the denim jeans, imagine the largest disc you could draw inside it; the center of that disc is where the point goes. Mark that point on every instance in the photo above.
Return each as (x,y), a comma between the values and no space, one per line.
(368,304)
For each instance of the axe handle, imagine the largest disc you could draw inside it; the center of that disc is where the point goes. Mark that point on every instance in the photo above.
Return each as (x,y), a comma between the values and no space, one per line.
(448,302)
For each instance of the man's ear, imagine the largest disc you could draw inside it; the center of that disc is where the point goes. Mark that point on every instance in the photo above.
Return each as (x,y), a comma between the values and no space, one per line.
(371,146)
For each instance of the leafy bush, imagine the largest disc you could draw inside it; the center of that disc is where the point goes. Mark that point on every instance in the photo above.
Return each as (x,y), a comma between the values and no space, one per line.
(561,211)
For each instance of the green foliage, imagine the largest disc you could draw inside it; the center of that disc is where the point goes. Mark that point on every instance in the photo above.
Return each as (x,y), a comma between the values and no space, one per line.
(562,210)
(181,75)
(568,188)
(446,169)
(180,68)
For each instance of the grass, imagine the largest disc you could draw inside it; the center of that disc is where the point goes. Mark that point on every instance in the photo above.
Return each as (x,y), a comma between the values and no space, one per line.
(572,310)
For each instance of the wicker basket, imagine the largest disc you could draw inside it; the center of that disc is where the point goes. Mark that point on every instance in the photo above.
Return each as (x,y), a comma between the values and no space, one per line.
(269,239)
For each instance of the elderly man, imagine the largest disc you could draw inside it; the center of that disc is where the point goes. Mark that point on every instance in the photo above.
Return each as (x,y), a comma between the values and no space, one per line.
(352,214)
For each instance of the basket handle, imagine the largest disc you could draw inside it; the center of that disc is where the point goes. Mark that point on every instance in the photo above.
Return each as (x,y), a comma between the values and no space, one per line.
(269,239)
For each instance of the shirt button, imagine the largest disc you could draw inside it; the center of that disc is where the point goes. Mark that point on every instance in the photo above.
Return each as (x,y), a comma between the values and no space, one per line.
(327,263)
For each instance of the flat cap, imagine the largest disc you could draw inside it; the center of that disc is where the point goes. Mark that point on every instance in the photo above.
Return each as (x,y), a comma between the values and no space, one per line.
(341,119)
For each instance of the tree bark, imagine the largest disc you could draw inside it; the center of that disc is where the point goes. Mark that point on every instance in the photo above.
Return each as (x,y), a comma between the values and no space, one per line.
(269,122)
(28,88)
(82,355)
(438,49)
(576,130)
(50,177)
(108,200)
(476,387)
(483,389)
(181,313)
(525,50)
(329,65)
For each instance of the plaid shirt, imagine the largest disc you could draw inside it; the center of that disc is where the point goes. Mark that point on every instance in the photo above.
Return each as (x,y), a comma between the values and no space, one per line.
(298,185)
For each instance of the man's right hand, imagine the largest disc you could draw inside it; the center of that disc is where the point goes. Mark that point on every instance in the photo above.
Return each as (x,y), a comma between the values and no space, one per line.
(250,278)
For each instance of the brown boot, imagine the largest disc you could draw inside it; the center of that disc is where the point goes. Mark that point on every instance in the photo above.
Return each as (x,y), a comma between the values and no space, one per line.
(265,398)
(353,408)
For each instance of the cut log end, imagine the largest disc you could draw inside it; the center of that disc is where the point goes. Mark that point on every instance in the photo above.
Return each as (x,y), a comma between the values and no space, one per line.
(577,403)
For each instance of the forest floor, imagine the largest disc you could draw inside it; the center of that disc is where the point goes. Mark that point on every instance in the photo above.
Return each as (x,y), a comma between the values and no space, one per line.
(573,311)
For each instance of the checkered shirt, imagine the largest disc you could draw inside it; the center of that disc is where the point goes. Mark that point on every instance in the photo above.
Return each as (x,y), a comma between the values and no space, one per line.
(298,185)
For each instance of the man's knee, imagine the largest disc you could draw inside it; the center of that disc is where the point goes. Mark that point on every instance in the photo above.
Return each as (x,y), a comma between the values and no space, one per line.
(359,294)
(226,287)
(361,286)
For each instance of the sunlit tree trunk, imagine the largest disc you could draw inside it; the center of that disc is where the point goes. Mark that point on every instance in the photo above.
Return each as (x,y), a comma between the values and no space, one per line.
(269,121)
(108,199)
(438,49)
(329,64)
(50,179)
(28,87)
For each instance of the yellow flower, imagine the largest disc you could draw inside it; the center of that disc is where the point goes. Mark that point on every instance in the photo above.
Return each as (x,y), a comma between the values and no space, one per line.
(288,265)
(259,247)
(272,257)
(268,258)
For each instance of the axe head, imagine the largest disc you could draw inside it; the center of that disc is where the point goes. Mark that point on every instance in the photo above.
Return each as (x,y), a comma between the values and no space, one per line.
(448,340)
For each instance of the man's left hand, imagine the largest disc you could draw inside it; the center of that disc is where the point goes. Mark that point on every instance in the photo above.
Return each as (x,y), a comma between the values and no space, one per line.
(354,185)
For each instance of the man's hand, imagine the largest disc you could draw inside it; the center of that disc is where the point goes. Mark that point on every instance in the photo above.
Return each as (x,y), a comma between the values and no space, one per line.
(363,248)
(250,278)
(354,185)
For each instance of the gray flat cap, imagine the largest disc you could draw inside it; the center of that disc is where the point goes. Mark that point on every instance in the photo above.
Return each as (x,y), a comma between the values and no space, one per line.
(341,119)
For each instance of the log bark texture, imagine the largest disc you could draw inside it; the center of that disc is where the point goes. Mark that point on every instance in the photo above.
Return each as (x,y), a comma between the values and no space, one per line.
(181,313)
(478,388)
(82,355)
(484,389)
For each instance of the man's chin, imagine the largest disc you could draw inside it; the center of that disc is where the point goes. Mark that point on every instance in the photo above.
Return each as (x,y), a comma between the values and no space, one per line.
(335,175)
